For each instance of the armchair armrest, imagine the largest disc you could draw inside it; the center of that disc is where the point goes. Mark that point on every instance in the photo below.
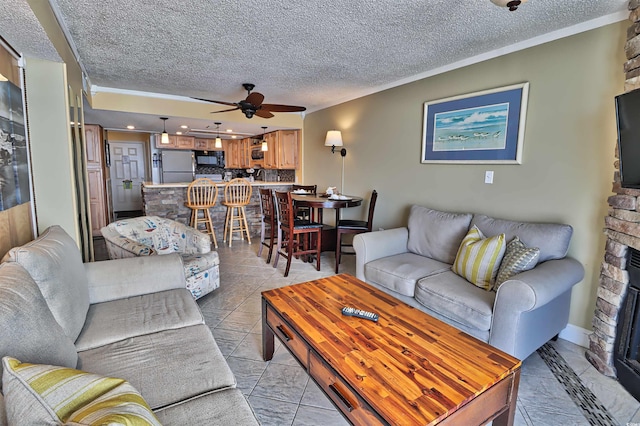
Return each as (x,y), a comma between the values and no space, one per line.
(120,246)
(134,276)
(198,242)
(370,246)
(538,299)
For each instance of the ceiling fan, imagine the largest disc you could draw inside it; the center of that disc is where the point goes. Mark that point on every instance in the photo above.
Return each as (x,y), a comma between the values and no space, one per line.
(253,105)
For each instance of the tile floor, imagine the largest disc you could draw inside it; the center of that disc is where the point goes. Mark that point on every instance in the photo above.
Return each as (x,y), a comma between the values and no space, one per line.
(281,393)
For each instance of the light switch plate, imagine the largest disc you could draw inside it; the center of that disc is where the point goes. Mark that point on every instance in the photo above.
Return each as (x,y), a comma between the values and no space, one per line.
(488,176)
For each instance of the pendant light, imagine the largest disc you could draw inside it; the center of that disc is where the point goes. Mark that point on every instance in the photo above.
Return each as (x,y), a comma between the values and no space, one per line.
(265,146)
(165,136)
(218,140)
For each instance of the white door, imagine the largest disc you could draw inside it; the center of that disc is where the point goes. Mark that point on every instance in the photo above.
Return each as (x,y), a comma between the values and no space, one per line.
(127,174)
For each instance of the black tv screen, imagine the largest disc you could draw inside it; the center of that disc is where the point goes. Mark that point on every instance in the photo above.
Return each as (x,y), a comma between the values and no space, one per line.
(628,117)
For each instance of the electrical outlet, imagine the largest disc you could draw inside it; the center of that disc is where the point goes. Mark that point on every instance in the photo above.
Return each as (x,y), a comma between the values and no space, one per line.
(488,176)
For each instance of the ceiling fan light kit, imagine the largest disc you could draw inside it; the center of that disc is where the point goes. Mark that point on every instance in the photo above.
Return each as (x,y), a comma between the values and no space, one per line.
(165,136)
(511,4)
(252,105)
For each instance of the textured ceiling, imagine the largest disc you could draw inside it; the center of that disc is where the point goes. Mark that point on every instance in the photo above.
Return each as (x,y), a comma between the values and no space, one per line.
(21,29)
(308,53)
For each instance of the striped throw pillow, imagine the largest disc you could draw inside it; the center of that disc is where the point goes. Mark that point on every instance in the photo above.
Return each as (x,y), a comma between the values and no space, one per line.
(517,258)
(45,394)
(479,258)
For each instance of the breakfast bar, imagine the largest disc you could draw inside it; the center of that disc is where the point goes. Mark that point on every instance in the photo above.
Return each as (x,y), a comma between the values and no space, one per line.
(167,200)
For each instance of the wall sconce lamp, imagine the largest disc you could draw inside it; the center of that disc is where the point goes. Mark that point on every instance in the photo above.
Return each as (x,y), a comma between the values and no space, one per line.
(218,143)
(511,4)
(165,136)
(333,139)
(265,145)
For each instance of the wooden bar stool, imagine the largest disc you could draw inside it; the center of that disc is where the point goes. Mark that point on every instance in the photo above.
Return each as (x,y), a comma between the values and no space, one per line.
(237,193)
(268,220)
(201,196)
(295,236)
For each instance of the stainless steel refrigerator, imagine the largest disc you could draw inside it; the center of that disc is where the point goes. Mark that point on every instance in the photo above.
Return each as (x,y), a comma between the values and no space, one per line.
(177,166)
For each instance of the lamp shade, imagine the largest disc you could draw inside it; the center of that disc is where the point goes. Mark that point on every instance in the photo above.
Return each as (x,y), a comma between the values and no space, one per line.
(334,138)
(265,146)
(218,143)
(165,138)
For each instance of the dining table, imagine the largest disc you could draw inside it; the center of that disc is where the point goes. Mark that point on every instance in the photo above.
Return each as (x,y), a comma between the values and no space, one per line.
(319,202)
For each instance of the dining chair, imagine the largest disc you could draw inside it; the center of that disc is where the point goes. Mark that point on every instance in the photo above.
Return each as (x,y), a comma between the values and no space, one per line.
(348,226)
(237,193)
(268,214)
(304,212)
(294,235)
(201,196)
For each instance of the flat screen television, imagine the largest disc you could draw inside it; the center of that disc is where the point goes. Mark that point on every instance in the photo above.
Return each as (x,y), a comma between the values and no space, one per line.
(628,118)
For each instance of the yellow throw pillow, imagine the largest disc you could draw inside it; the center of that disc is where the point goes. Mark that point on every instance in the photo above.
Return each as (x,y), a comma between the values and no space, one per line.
(46,394)
(479,258)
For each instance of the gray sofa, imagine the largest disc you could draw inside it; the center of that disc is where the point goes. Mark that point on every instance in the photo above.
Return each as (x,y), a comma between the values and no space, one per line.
(128,318)
(414,264)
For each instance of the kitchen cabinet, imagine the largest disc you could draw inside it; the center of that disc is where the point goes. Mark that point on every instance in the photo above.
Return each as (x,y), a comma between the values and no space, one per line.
(238,154)
(177,142)
(270,155)
(283,149)
(96,172)
(287,154)
(206,145)
(185,142)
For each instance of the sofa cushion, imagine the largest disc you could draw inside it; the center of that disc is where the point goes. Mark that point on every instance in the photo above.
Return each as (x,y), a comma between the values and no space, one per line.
(166,367)
(401,272)
(29,331)
(456,299)
(517,258)
(436,234)
(55,264)
(551,238)
(45,394)
(223,408)
(479,258)
(120,319)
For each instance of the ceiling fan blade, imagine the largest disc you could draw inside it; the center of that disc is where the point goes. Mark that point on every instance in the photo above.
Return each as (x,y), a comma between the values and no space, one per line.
(255,99)
(282,108)
(264,114)
(225,110)
(216,102)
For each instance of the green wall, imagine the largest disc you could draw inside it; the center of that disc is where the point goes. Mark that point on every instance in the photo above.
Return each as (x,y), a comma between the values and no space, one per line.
(568,155)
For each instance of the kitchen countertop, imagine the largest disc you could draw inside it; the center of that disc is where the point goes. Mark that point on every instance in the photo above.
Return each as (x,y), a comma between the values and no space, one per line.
(220,184)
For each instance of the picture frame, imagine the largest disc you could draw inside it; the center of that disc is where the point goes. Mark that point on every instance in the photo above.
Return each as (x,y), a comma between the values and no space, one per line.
(485,127)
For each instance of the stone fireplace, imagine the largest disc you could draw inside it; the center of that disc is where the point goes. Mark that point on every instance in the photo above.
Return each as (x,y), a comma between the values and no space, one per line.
(622,228)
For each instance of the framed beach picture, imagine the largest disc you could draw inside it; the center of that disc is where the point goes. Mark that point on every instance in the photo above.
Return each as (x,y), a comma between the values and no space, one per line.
(476,128)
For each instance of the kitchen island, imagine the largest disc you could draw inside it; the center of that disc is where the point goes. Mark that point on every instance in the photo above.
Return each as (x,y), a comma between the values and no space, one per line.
(167,200)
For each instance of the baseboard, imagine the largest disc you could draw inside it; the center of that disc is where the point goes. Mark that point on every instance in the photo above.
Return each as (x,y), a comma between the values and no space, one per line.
(577,335)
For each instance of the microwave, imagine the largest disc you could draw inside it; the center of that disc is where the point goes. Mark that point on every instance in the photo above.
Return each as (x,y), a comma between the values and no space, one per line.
(210,158)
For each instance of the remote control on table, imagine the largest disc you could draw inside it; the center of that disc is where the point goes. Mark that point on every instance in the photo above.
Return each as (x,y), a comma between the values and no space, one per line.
(353,312)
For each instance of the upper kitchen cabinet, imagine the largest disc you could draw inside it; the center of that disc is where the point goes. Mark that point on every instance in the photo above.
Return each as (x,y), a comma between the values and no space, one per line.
(177,142)
(206,145)
(283,150)
(289,142)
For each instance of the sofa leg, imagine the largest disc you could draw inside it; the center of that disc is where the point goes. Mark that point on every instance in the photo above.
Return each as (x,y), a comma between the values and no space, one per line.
(555,338)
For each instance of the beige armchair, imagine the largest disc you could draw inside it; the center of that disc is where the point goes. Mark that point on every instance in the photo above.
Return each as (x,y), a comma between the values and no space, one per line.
(152,235)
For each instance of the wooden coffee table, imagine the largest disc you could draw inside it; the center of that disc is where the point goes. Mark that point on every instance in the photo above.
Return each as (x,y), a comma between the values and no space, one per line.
(408,368)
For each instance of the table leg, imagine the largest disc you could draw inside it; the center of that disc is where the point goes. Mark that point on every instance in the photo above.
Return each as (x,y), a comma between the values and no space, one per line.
(508,416)
(267,335)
